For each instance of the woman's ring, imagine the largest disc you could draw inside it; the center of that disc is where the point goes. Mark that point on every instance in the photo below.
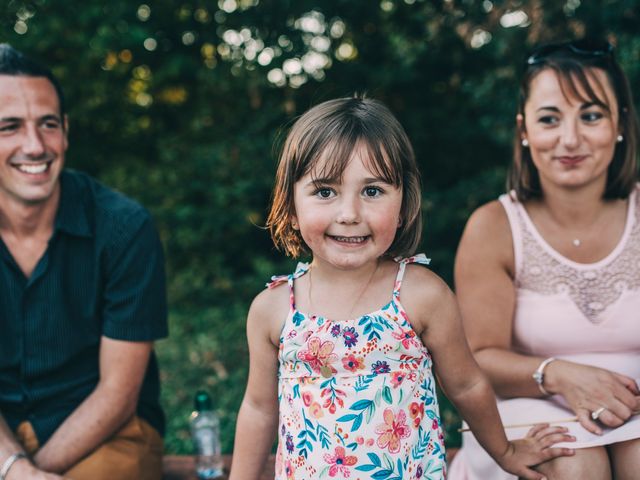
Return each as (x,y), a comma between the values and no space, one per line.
(596,413)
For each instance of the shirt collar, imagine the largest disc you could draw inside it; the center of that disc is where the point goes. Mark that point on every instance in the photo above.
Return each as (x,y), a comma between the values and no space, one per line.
(73,215)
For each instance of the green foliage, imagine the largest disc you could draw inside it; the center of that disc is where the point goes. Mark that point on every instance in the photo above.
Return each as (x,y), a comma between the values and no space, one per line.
(173,104)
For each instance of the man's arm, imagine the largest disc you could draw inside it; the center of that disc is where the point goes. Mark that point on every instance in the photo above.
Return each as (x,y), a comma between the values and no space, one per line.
(104,411)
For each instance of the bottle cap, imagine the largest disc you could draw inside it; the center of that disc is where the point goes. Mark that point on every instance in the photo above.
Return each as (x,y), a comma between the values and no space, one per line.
(202,401)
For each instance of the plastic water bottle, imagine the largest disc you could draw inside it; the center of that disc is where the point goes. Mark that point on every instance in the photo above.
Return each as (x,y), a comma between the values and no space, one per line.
(205,433)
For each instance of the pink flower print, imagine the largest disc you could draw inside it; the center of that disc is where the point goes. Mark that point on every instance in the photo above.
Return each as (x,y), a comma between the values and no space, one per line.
(353,363)
(307,398)
(392,430)
(416,412)
(340,462)
(406,337)
(290,470)
(397,378)
(318,354)
(316,410)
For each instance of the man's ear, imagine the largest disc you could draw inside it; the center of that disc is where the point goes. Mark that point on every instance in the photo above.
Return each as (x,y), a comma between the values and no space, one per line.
(65,126)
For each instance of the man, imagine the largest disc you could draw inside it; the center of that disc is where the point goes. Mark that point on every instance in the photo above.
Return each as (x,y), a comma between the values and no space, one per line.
(82,297)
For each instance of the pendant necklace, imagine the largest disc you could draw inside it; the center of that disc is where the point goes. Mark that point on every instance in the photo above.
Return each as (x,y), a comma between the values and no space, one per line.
(576,242)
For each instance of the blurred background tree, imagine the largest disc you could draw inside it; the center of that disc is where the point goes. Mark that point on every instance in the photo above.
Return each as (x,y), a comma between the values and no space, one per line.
(178,104)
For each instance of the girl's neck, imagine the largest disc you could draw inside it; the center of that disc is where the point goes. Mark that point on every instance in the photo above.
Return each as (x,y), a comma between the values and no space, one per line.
(339,294)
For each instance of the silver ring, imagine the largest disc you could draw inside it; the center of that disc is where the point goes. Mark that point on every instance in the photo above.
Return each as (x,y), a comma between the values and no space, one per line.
(596,413)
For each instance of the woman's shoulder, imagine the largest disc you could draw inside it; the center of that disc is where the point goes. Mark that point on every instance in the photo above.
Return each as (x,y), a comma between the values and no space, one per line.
(486,246)
(489,218)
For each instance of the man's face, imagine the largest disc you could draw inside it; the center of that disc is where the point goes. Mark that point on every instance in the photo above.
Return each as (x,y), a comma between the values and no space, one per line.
(33,140)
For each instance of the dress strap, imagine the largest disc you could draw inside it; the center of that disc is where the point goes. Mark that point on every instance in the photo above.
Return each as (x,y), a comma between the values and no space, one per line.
(517,224)
(276,280)
(403,262)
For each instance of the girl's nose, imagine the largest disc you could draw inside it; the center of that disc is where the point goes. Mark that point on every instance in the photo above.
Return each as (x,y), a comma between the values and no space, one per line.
(349,211)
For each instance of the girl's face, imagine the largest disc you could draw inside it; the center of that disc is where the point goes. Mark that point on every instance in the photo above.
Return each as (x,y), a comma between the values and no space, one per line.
(347,222)
(572,141)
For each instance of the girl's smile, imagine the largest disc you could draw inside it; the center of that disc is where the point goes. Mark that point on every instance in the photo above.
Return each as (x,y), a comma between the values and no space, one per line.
(350,221)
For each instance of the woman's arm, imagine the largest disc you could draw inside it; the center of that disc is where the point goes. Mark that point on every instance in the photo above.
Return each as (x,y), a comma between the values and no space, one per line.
(258,416)
(484,273)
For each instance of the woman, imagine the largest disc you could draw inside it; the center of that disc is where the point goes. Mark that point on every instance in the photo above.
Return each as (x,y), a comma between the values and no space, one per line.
(548,277)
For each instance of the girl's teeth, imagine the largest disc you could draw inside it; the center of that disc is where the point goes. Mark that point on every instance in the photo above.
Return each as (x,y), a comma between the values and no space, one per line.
(350,239)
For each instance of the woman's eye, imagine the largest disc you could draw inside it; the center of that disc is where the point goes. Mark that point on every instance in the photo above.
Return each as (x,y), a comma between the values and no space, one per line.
(548,120)
(372,192)
(591,116)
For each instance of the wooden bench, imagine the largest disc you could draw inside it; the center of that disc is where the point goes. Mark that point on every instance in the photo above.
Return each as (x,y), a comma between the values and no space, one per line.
(183,467)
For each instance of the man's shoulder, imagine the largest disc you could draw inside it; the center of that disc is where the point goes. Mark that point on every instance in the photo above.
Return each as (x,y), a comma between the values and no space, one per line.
(108,207)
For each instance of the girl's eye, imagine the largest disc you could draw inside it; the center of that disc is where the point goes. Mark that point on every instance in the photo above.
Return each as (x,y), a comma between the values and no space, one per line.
(324,193)
(591,117)
(372,192)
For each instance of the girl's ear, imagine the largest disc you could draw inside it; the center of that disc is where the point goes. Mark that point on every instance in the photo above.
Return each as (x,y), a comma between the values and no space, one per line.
(294,222)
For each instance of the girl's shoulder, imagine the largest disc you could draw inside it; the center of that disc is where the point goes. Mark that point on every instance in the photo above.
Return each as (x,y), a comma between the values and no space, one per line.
(422,285)
(269,310)
(424,295)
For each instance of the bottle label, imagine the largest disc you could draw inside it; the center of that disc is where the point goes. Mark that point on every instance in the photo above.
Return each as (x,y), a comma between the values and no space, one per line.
(206,440)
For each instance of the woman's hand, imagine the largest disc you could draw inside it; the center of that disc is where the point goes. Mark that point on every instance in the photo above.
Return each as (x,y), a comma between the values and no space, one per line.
(587,389)
(534,449)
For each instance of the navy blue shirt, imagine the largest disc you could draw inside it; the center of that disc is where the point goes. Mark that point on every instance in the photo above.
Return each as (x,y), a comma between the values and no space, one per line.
(101,274)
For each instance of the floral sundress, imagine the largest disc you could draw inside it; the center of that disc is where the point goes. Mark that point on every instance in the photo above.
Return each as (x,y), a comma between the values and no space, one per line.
(357,397)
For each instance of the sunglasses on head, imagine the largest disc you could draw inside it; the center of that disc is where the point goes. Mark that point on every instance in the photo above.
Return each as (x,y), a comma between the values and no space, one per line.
(583,48)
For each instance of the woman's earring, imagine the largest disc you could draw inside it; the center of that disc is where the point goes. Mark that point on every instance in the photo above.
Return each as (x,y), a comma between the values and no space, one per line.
(294,225)
(619,138)
(525,142)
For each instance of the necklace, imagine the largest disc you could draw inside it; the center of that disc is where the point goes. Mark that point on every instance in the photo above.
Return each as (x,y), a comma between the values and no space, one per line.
(325,370)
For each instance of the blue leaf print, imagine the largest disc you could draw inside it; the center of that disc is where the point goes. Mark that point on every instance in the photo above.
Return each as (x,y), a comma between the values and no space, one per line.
(297,319)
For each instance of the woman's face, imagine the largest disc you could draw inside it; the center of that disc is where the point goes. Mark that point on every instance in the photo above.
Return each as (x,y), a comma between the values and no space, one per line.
(572,140)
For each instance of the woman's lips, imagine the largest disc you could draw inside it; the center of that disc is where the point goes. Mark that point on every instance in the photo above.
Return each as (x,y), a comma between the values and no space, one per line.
(571,160)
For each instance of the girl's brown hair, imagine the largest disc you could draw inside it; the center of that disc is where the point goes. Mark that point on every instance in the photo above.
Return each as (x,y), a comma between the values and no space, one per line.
(573,63)
(332,130)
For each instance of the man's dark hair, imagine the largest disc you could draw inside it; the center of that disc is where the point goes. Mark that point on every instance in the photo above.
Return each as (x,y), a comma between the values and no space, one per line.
(16,64)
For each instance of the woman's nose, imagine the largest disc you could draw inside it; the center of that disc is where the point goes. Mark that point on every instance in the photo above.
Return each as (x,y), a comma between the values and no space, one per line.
(570,135)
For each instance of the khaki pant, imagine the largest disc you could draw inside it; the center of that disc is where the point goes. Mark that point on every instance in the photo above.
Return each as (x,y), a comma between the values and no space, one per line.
(132,453)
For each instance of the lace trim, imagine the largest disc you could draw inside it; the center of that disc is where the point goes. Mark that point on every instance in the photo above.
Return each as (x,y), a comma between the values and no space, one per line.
(592,290)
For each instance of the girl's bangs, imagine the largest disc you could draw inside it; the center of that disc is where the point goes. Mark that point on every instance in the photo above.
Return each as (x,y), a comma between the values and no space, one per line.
(330,161)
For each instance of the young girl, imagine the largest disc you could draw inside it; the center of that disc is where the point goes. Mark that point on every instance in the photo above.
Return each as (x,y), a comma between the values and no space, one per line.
(344,350)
